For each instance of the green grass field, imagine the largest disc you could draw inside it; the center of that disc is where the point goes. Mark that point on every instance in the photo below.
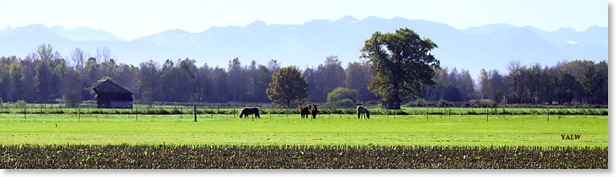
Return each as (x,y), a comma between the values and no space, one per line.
(217,129)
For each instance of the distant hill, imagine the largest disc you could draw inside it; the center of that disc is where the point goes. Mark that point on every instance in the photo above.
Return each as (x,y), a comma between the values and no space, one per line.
(84,34)
(308,44)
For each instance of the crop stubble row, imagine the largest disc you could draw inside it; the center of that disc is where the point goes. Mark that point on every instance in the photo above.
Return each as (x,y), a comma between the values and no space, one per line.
(298,157)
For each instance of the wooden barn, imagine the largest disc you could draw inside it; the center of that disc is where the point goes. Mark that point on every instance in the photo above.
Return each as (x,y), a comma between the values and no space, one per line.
(111,95)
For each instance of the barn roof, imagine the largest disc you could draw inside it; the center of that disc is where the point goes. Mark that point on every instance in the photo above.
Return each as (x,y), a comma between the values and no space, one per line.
(108,86)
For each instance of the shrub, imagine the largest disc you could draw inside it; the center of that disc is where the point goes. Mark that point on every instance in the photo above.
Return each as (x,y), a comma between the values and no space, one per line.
(443,103)
(20,104)
(340,94)
(72,100)
(372,103)
(416,103)
(344,103)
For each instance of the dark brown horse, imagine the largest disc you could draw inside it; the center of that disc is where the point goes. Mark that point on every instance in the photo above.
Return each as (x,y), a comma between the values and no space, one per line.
(250,110)
(314,111)
(304,111)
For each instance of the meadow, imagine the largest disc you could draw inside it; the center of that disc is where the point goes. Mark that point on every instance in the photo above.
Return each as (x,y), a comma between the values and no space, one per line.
(168,137)
(289,129)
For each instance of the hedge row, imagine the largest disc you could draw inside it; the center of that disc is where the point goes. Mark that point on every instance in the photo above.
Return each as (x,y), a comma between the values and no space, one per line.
(373,111)
(298,157)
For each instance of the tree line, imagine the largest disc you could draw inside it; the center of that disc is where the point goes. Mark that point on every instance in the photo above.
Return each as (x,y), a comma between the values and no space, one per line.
(578,81)
(45,76)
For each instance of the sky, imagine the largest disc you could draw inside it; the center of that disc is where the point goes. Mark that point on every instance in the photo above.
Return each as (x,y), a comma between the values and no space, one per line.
(130,19)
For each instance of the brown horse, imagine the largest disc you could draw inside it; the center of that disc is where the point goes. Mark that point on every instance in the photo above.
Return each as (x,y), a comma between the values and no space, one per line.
(250,110)
(304,111)
(314,111)
(362,111)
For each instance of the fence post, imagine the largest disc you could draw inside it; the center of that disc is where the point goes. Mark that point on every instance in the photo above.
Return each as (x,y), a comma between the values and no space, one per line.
(195,112)
(548,113)
(426,112)
(395,112)
(487,114)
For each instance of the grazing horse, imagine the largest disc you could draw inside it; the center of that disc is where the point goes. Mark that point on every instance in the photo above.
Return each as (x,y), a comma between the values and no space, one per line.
(314,111)
(362,111)
(304,111)
(250,110)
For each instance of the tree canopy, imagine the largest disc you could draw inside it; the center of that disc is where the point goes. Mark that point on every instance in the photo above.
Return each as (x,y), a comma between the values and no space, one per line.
(287,86)
(401,62)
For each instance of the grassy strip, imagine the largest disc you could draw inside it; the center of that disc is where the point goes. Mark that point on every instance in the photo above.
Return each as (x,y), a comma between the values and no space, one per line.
(408,130)
(299,157)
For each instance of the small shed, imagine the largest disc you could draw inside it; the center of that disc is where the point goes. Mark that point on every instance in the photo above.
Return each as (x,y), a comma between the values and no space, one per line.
(111,95)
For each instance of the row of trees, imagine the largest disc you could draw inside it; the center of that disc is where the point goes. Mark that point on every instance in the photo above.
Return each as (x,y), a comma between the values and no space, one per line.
(46,76)
(578,81)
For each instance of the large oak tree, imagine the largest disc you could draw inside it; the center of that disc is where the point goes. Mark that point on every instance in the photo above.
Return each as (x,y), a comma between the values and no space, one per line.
(287,86)
(401,62)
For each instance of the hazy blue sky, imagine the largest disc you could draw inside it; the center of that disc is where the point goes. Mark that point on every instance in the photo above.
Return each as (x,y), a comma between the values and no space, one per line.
(130,19)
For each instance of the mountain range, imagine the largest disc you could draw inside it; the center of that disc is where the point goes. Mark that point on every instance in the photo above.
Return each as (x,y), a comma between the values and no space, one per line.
(307,45)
